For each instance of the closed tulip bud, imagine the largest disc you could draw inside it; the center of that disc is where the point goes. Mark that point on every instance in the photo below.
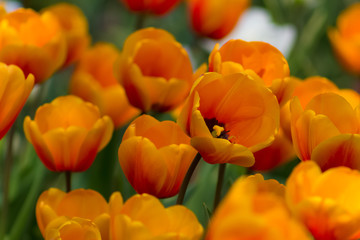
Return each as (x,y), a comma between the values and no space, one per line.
(255,208)
(33,42)
(229,118)
(93,80)
(67,133)
(345,38)
(75,28)
(155,70)
(14,91)
(155,156)
(326,202)
(74,214)
(259,59)
(144,217)
(213,18)
(157,7)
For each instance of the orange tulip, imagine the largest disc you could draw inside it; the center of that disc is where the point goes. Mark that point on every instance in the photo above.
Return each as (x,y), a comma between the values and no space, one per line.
(157,7)
(215,19)
(229,117)
(345,39)
(72,215)
(259,59)
(308,88)
(327,135)
(33,42)
(327,203)
(160,146)
(67,133)
(75,27)
(155,70)
(14,91)
(255,208)
(69,229)
(93,80)
(144,217)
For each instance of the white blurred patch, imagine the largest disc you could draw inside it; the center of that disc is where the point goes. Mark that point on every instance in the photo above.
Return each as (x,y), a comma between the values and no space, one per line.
(256,25)
(10,5)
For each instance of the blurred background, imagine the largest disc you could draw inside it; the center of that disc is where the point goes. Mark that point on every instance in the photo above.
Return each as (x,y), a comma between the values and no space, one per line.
(298,28)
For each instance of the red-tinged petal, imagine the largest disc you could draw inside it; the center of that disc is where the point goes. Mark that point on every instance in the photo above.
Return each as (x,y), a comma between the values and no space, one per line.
(341,150)
(136,156)
(97,138)
(34,136)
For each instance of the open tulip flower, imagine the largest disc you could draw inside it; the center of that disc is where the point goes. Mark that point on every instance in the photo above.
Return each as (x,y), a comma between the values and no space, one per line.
(14,91)
(144,217)
(160,146)
(155,70)
(157,7)
(67,133)
(255,208)
(73,215)
(213,18)
(230,117)
(33,42)
(93,80)
(75,27)
(327,203)
(327,135)
(259,59)
(345,39)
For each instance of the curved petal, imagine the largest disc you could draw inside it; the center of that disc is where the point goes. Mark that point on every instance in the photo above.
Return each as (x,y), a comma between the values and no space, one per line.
(216,150)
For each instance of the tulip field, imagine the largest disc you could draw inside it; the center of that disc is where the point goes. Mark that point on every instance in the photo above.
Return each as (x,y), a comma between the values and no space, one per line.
(180,120)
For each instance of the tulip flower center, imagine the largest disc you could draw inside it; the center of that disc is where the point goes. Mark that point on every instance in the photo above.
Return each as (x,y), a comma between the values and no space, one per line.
(217,129)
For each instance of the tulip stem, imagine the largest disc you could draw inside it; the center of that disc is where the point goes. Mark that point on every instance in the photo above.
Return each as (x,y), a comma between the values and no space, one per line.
(140,21)
(185,183)
(6,182)
(219,185)
(68,181)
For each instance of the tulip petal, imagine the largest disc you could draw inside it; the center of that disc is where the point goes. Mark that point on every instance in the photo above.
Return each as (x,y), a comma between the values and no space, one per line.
(216,150)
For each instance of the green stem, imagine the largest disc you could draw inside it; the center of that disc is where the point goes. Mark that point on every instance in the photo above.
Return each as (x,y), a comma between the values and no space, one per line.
(68,181)
(140,21)
(219,185)
(6,182)
(185,183)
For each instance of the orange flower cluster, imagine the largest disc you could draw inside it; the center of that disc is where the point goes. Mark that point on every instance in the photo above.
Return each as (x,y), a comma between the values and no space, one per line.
(255,208)
(324,203)
(85,214)
(94,80)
